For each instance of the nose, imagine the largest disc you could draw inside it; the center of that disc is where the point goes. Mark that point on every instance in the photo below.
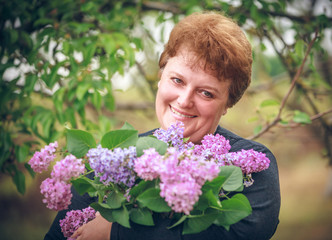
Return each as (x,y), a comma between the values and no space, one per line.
(185,99)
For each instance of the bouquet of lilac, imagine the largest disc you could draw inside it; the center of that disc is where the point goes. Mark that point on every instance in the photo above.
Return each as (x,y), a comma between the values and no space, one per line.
(136,177)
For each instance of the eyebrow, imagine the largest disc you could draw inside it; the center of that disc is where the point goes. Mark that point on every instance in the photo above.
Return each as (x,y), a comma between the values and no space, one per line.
(204,87)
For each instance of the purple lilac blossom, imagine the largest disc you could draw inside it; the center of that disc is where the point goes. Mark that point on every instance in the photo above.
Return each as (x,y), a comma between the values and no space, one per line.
(173,136)
(57,194)
(74,219)
(213,146)
(68,168)
(113,166)
(249,161)
(41,160)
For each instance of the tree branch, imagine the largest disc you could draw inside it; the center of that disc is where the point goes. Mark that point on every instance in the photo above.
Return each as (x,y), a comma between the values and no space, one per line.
(290,90)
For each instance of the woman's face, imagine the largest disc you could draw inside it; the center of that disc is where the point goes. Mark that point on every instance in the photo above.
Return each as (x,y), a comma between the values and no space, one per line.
(192,96)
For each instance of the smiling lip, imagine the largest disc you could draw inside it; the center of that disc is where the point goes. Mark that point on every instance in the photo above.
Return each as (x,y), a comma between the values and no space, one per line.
(181,114)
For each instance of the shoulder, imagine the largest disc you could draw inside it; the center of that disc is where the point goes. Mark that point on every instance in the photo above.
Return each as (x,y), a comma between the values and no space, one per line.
(237,142)
(148,133)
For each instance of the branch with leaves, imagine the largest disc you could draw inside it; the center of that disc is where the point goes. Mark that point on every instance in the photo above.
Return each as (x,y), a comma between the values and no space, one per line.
(278,118)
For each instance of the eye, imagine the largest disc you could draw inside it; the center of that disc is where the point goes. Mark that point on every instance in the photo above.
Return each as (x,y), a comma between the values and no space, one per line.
(177,80)
(207,94)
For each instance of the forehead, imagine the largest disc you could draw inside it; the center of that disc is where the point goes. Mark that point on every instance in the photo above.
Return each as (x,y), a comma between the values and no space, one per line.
(188,59)
(191,59)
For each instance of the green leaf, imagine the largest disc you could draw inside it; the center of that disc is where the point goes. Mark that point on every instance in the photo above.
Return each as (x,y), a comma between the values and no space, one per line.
(233,177)
(299,48)
(151,199)
(252,119)
(104,210)
(84,185)
(234,209)
(115,199)
(141,187)
(22,153)
(119,138)
(19,181)
(301,117)
(79,142)
(257,129)
(121,216)
(181,220)
(198,223)
(109,101)
(107,41)
(269,102)
(150,142)
(208,199)
(127,126)
(28,167)
(215,185)
(81,90)
(141,216)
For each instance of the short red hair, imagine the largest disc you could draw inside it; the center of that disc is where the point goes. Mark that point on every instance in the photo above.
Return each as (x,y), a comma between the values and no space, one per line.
(219,43)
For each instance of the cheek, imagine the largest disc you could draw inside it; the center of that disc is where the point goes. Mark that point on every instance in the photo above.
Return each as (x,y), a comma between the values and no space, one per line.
(165,94)
(211,112)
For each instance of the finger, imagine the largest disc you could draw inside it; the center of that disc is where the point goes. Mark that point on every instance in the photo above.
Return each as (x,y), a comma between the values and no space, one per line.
(77,233)
(97,213)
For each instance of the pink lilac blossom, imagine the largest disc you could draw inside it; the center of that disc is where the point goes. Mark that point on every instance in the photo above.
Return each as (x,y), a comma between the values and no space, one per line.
(113,166)
(182,194)
(67,168)
(249,161)
(213,146)
(57,194)
(181,174)
(74,219)
(147,166)
(201,170)
(41,160)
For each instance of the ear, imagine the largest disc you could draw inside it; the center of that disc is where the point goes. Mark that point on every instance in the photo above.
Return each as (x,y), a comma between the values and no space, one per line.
(158,83)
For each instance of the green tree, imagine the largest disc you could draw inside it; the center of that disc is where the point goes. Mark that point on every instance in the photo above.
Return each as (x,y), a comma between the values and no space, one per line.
(58,59)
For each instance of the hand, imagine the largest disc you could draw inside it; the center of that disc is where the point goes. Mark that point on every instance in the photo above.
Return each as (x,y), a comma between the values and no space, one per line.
(97,229)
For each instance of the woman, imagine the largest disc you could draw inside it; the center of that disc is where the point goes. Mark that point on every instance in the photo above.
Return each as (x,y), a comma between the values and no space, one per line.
(204,70)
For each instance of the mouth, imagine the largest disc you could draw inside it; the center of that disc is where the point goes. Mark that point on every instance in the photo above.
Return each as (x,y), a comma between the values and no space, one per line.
(181,114)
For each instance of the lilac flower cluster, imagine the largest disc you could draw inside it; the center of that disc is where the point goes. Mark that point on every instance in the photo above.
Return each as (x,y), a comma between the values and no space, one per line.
(173,136)
(41,160)
(67,168)
(181,174)
(57,194)
(148,165)
(213,146)
(113,166)
(74,219)
(56,190)
(249,161)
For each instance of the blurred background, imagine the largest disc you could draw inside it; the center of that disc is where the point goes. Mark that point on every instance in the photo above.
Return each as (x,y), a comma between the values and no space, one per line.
(93,65)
